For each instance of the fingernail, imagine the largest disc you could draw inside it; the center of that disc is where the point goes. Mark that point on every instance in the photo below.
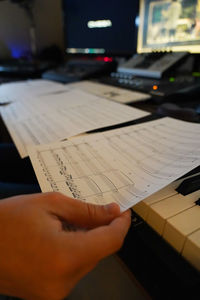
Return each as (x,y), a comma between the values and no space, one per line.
(110,208)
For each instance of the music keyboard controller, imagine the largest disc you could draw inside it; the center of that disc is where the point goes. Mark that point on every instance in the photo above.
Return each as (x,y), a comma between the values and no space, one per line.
(163,245)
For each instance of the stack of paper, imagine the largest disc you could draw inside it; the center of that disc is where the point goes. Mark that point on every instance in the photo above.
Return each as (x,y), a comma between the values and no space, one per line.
(123,166)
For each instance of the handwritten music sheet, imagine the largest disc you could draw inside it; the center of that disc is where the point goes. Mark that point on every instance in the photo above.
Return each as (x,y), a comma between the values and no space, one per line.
(109,92)
(58,116)
(124,165)
(26,89)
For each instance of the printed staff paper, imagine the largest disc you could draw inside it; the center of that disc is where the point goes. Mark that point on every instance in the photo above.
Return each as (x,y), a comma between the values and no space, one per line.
(27,89)
(124,165)
(58,116)
(109,92)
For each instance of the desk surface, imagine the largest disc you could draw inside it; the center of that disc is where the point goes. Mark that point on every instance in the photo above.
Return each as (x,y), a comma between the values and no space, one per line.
(110,280)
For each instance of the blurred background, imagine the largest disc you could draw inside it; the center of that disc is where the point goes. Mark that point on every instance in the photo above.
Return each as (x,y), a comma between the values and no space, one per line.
(15,27)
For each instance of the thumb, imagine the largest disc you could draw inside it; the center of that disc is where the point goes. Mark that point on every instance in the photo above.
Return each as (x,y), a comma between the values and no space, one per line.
(82,214)
(100,242)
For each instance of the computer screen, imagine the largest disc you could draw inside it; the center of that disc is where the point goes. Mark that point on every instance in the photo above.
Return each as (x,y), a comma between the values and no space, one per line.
(106,27)
(171,25)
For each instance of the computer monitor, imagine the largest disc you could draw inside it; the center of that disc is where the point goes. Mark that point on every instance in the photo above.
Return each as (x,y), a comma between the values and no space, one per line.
(106,27)
(169,25)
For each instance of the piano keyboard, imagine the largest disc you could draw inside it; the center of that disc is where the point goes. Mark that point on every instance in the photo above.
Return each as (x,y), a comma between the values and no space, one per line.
(174,213)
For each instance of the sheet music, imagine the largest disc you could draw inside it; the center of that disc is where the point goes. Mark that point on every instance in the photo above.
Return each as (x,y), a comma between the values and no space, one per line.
(109,92)
(58,116)
(26,89)
(124,165)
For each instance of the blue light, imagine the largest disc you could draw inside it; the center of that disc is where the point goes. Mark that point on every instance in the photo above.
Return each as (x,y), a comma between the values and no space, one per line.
(19,51)
(16,52)
(137,21)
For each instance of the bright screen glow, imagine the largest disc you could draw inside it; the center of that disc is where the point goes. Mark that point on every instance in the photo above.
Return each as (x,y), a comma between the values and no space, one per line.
(99,24)
(172,25)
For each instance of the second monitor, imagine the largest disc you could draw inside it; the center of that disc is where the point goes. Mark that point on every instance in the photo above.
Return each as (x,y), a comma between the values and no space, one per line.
(172,25)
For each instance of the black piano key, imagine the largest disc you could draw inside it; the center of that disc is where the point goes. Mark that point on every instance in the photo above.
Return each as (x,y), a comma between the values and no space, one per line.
(189,185)
(198,202)
(192,172)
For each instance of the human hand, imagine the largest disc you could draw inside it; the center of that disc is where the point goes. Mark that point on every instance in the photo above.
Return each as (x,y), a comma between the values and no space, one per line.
(39,260)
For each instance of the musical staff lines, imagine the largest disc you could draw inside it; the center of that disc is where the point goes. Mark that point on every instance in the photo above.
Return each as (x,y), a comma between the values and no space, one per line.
(123,165)
(57,116)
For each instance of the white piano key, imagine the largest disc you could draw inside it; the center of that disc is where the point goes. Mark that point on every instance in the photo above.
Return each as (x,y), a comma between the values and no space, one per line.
(142,207)
(191,250)
(180,226)
(169,207)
